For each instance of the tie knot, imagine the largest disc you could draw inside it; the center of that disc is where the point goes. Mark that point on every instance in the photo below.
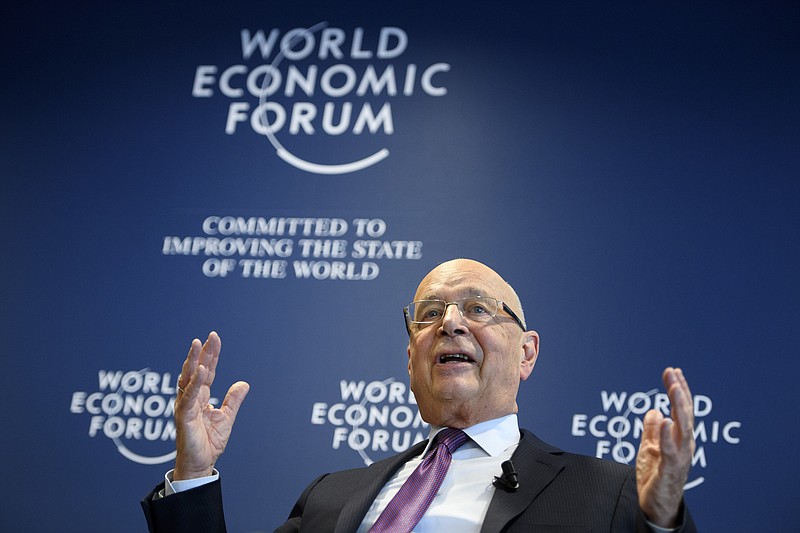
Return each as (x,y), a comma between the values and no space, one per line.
(452,438)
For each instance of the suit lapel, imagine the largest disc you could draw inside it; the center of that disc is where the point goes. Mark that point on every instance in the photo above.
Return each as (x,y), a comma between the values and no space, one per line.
(537,464)
(375,477)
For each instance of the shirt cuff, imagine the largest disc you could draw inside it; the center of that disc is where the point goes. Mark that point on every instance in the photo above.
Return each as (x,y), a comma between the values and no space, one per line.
(171,487)
(655,528)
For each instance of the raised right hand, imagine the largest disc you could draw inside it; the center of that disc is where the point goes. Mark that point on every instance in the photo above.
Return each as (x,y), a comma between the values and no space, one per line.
(203,430)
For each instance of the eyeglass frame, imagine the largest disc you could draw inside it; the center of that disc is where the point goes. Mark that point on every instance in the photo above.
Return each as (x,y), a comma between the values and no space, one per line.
(505,307)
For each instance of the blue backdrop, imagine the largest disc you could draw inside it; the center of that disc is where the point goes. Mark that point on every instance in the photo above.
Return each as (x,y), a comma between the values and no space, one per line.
(285,173)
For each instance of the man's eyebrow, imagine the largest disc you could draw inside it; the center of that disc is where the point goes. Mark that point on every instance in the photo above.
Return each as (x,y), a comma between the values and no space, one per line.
(467,292)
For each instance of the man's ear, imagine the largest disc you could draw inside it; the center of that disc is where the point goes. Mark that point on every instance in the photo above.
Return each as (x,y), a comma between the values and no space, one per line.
(530,351)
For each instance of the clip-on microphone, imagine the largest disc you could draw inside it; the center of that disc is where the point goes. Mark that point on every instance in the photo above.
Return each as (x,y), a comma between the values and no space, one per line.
(508,481)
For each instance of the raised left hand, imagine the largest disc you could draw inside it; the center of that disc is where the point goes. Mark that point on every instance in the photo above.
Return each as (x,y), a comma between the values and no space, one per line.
(665,454)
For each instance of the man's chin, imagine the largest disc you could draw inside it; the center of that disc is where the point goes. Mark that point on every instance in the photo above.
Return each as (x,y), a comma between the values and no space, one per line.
(455,388)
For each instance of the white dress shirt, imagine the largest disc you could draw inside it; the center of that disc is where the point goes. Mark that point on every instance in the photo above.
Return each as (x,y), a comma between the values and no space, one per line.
(463,499)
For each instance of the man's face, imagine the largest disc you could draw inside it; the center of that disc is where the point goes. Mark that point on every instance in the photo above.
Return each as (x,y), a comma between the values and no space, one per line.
(461,391)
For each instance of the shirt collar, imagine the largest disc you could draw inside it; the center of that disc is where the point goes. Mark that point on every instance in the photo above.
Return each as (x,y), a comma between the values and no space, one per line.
(493,436)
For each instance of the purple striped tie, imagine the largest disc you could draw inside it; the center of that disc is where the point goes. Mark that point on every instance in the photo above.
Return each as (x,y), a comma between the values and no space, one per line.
(416,494)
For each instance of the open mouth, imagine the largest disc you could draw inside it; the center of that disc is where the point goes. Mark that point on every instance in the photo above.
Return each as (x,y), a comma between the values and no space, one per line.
(454,358)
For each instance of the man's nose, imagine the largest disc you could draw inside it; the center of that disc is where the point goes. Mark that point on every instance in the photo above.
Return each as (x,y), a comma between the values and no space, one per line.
(453,322)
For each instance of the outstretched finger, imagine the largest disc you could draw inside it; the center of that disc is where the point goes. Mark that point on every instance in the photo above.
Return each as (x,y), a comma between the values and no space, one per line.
(193,395)
(215,345)
(209,356)
(652,425)
(681,400)
(190,364)
(669,447)
(234,398)
(684,385)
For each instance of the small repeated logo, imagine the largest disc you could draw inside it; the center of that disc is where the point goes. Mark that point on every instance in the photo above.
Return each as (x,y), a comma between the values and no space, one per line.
(134,409)
(375,419)
(618,428)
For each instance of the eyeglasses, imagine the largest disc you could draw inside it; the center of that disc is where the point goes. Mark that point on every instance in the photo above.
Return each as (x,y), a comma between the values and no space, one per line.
(473,308)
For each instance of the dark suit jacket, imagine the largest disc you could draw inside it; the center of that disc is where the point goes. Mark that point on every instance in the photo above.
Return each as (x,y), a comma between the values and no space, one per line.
(558,491)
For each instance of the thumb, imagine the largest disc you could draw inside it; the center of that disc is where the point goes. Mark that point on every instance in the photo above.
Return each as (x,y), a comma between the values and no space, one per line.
(234,398)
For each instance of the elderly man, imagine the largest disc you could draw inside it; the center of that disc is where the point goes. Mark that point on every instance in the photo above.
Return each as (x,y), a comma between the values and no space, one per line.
(468,350)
